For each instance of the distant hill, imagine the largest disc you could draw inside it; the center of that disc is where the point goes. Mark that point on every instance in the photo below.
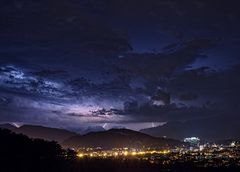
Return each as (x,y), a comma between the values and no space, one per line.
(115,138)
(112,138)
(41,132)
(8,126)
(205,129)
(93,129)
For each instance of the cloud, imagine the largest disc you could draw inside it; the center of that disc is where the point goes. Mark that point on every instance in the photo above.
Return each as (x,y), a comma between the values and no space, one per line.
(51,73)
(81,84)
(5,101)
(133,110)
(106,102)
(17,80)
(130,106)
(188,96)
(66,60)
(149,112)
(161,96)
(152,66)
(42,24)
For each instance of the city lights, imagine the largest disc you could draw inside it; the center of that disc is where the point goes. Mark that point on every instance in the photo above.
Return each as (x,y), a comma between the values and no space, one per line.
(134,153)
(125,153)
(211,154)
(80,155)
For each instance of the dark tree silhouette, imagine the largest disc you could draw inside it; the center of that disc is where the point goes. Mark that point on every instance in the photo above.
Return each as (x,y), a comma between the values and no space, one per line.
(20,153)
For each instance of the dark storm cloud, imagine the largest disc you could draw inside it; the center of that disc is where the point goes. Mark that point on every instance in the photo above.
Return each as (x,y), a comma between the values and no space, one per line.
(194,79)
(51,73)
(54,25)
(188,96)
(218,94)
(17,80)
(179,19)
(156,65)
(209,83)
(161,96)
(130,106)
(75,115)
(75,62)
(149,112)
(5,101)
(80,83)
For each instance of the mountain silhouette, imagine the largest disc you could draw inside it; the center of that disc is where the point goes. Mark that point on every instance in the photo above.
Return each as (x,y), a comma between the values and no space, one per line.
(46,133)
(118,138)
(113,138)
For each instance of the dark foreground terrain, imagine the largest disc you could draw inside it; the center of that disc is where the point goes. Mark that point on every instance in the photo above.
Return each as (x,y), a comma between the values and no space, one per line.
(21,154)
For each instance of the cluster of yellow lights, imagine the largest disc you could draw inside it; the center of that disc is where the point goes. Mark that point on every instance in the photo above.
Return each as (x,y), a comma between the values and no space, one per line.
(80,155)
(125,153)
(134,153)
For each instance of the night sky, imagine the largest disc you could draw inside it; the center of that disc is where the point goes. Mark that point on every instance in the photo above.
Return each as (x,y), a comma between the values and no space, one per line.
(119,63)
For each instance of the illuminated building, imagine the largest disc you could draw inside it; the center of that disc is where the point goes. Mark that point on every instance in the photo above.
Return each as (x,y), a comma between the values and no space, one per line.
(194,141)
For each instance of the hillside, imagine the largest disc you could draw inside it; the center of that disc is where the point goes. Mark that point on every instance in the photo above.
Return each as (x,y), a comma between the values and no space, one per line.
(41,132)
(115,138)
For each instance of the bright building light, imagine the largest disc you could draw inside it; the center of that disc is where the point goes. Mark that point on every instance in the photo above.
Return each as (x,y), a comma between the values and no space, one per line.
(192,140)
(80,155)
(125,153)
(134,153)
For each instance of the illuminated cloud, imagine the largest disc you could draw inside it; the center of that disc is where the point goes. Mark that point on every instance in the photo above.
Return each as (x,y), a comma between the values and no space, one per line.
(79,63)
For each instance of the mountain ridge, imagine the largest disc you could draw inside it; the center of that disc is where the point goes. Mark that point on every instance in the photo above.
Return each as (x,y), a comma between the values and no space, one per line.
(112,138)
(37,131)
(118,138)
